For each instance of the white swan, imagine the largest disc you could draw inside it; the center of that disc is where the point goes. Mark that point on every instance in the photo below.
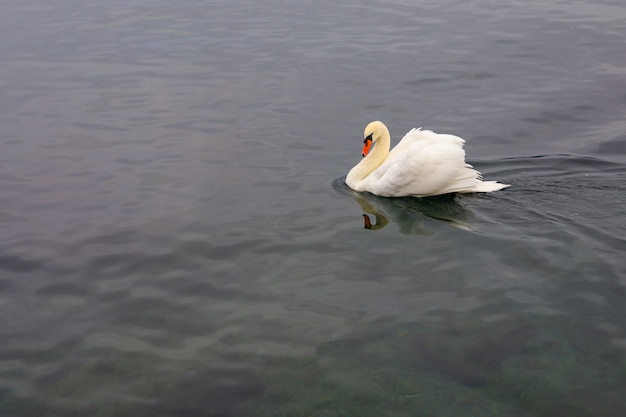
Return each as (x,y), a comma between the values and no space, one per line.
(423,164)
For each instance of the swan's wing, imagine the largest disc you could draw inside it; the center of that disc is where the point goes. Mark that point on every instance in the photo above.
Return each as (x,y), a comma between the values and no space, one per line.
(419,137)
(424,163)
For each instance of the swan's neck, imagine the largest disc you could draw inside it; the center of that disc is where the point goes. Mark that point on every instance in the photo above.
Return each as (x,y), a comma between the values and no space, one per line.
(373,160)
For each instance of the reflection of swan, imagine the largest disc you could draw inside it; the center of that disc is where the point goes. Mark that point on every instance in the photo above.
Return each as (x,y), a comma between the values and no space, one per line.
(407,212)
(423,164)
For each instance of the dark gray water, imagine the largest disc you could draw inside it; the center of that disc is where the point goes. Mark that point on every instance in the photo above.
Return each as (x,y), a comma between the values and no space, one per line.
(176,238)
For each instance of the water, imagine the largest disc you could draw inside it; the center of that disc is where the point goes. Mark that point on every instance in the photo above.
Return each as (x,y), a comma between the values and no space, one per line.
(176,238)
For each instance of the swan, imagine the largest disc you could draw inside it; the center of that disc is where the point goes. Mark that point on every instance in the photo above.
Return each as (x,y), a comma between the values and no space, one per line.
(422,164)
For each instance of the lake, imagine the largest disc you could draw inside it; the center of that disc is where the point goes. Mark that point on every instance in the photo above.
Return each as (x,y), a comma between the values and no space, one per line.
(176,237)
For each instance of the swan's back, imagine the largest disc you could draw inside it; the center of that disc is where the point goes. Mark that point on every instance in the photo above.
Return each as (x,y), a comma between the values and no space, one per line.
(428,136)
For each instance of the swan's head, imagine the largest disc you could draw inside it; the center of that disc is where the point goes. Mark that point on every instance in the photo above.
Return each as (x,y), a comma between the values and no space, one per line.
(372,133)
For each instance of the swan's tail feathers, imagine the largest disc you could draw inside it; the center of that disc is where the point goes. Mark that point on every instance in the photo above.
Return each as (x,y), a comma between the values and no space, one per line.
(488,186)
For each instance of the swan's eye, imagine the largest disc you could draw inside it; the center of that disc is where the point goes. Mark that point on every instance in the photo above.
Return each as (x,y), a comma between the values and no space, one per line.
(368,137)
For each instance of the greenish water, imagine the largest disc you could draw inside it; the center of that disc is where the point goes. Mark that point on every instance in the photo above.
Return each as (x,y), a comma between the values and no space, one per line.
(176,238)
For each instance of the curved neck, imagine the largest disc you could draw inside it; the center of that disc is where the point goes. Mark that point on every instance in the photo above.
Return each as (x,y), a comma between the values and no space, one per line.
(373,160)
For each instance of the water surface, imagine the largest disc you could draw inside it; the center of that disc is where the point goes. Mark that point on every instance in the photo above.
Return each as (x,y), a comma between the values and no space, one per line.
(176,237)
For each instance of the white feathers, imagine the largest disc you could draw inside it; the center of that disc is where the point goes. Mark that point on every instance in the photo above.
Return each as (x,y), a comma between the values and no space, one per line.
(423,163)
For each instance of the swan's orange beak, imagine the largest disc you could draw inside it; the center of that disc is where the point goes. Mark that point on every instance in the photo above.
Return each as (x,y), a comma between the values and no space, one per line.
(367,145)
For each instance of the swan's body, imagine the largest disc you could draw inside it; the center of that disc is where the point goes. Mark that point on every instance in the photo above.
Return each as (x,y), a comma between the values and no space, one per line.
(422,164)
